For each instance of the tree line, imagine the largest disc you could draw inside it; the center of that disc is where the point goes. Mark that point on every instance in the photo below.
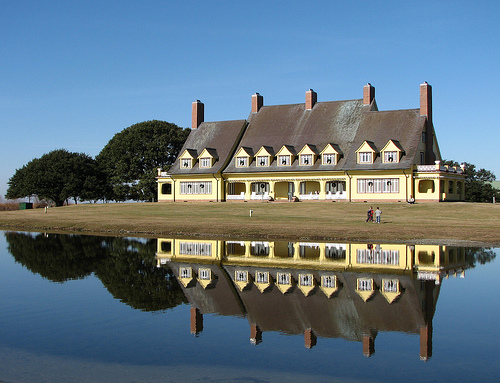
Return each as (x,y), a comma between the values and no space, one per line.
(125,169)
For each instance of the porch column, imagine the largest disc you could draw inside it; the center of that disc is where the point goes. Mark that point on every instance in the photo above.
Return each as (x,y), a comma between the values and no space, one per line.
(296,188)
(322,189)
(248,190)
(271,189)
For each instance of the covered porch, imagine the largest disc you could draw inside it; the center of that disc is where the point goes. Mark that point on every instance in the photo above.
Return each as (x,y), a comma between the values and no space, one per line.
(287,189)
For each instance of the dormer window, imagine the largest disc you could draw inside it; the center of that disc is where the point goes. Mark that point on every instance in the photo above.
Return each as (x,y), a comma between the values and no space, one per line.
(329,159)
(262,160)
(390,156)
(284,160)
(365,157)
(186,163)
(330,154)
(392,152)
(306,159)
(241,162)
(205,162)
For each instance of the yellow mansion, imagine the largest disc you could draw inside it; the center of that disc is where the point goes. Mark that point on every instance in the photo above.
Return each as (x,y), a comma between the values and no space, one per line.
(336,150)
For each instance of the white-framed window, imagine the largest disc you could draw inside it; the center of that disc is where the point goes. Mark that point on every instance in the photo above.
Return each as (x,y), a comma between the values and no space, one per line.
(284,160)
(262,277)
(365,284)
(390,285)
(186,163)
(195,248)
(241,275)
(378,185)
(306,159)
(365,157)
(204,274)
(305,279)
(263,161)
(241,162)
(329,159)
(329,281)
(186,272)
(390,156)
(283,278)
(377,257)
(205,162)
(204,187)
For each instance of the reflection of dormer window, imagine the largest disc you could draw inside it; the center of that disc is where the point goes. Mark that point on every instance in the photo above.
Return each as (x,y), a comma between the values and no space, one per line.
(365,157)
(306,159)
(329,281)
(205,162)
(262,277)
(262,161)
(186,163)
(284,160)
(241,276)
(241,162)
(283,278)
(329,159)
(204,274)
(185,272)
(305,279)
(365,284)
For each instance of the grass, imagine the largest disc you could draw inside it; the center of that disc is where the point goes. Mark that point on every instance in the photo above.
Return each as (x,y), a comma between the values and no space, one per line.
(442,223)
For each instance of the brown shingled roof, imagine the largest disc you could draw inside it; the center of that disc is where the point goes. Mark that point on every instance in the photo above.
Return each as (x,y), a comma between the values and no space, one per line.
(219,138)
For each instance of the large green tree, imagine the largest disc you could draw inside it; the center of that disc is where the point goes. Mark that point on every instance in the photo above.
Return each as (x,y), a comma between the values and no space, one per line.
(477,187)
(131,158)
(57,176)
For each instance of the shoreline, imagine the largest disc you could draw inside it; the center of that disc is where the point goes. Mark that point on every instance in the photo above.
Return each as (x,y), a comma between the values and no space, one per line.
(452,224)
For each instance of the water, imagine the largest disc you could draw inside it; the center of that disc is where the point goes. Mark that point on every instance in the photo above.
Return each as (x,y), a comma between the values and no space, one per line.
(103,309)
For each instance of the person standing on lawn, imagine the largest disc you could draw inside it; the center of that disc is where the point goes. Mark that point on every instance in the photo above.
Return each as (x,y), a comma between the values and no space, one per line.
(378,213)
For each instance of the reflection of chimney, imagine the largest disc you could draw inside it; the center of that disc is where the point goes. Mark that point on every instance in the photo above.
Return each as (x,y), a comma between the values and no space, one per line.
(368,345)
(309,338)
(255,334)
(311,99)
(198,114)
(257,102)
(426,101)
(196,321)
(368,94)
(426,342)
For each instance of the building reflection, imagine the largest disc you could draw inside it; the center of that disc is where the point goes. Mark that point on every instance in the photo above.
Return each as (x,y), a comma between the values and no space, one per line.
(319,290)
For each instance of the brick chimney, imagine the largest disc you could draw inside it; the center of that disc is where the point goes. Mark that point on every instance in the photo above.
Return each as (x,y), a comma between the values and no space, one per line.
(368,94)
(198,114)
(426,101)
(311,99)
(257,102)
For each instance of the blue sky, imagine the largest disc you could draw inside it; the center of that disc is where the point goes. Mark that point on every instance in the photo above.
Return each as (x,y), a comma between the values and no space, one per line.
(73,74)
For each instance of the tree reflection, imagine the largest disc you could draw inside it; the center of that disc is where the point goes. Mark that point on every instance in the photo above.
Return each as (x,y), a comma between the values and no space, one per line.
(56,257)
(125,266)
(130,274)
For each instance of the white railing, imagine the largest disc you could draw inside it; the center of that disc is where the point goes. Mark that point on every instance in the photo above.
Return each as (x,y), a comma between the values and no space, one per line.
(336,195)
(258,196)
(236,196)
(310,196)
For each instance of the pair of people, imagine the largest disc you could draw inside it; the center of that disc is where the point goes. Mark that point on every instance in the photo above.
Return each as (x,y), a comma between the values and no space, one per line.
(370,213)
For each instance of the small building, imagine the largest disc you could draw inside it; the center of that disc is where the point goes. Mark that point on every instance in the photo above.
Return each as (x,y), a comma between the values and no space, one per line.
(335,150)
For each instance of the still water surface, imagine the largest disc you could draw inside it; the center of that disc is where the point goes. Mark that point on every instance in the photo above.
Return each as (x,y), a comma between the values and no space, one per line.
(104,309)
